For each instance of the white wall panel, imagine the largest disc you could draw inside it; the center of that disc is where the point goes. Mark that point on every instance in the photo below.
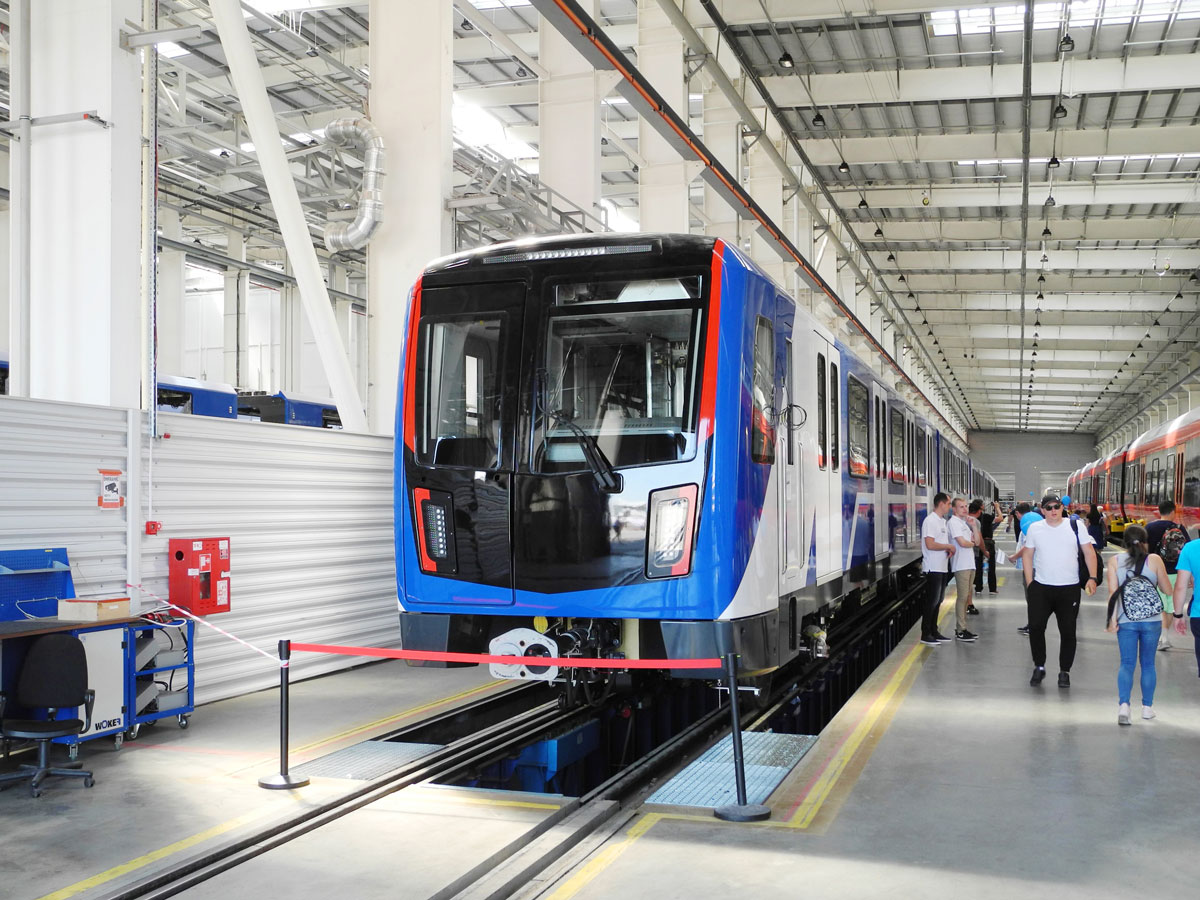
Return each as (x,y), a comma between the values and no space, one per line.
(50,457)
(309,515)
(308,511)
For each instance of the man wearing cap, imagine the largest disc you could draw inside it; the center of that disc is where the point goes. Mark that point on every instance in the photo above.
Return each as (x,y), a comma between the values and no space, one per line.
(1051,564)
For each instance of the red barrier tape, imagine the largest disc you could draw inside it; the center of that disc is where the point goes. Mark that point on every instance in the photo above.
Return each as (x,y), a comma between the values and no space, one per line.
(571,662)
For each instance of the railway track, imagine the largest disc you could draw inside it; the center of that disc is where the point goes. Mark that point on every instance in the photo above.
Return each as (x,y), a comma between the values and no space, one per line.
(497,727)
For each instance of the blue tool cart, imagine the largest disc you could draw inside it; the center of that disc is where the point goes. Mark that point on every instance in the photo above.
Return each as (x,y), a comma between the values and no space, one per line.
(159,673)
(32,581)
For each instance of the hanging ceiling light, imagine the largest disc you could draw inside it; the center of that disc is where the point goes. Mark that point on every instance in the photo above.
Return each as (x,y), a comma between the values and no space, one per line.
(1179,295)
(844,167)
(1194,277)
(1054,163)
(1067,44)
(1050,200)
(1040,296)
(818,120)
(467,26)
(1045,258)
(521,72)
(786,61)
(878,231)
(1060,111)
(1046,232)
(862,202)
(912,296)
(902,278)
(891,257)
(1041,279)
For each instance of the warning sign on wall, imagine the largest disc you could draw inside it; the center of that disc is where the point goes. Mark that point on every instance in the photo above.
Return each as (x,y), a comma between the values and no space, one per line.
(110,489)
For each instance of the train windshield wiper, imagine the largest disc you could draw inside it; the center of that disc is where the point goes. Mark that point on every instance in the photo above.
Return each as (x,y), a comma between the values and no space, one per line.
(607,479)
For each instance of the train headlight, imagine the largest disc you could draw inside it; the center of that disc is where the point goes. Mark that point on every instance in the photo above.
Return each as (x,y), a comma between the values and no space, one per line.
(672,528)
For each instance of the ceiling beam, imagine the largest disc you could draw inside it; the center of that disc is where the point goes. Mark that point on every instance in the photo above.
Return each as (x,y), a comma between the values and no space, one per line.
(1069,143)
(1113,75)
(1109,192)
(742,12)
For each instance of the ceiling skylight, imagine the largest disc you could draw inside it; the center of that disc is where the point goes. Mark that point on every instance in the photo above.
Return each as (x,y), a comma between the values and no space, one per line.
(1073,14)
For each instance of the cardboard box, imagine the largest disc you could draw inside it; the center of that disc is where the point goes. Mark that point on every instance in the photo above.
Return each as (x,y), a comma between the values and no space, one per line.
(91,610)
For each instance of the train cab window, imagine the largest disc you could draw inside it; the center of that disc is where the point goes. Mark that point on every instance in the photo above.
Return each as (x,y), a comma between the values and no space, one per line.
(762,431)
(835,419)
(457,410)
(822,414)
(897,447)
(858,428)
(624,376)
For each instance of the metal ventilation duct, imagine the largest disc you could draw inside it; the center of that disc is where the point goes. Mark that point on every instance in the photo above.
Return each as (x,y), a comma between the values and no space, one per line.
(359,132)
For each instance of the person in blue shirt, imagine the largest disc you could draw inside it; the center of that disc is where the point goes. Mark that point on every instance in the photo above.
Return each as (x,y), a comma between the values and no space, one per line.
(1185,601)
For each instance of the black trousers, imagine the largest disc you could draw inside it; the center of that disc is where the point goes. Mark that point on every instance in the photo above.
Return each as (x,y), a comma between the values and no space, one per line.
(1195,623)
(991,578)
(1063,602)
(935,591)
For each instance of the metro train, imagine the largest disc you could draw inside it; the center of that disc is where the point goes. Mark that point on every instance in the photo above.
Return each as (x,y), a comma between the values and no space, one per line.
(1160,464)
(638,446)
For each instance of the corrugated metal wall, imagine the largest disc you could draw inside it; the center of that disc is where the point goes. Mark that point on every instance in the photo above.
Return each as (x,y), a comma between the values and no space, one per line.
(50,457)
(308,511)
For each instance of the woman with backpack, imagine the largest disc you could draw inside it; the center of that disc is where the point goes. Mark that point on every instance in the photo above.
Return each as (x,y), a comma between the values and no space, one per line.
(1134,613)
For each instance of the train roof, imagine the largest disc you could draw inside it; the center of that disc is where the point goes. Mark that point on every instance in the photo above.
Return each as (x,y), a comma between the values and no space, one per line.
(195,384)
(1168,434)
(614,242)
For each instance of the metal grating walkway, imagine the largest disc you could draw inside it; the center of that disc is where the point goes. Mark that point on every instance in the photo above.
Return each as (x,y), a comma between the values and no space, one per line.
(709,780)
(365,761)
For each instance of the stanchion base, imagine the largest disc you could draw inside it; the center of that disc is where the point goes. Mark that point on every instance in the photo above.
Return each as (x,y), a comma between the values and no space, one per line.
(281,782)
(751,812)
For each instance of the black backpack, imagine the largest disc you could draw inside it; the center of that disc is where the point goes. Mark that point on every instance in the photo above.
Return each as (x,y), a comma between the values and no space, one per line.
(1172,545)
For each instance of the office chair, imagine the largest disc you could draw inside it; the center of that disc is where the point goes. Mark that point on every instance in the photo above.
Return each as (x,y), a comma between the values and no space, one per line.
(53,677)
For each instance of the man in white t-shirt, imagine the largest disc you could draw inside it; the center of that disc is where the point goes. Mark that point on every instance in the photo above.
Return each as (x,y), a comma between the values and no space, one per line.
(963,566)
(935,558)
(1051,563)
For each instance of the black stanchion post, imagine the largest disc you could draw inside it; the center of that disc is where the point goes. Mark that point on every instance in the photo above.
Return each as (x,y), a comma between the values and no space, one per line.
(742,811)
(283,780)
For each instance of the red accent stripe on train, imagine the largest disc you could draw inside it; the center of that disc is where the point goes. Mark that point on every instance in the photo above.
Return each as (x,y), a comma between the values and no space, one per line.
(708,390)
(410,368)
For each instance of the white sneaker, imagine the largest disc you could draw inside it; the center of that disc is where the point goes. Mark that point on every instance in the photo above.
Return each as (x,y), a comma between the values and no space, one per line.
(1147,712)
(1164,644)
(1123,714)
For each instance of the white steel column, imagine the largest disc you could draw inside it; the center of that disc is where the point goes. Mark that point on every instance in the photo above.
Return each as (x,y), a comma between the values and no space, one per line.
(260,120)
(663,182)
(84,326)
(723,138)
(569,119)
(16,235)
(765,185)
(237,324)
(171,286)
(411,80)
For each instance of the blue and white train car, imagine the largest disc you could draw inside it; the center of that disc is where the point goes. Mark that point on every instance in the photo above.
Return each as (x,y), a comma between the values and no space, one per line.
(639,446)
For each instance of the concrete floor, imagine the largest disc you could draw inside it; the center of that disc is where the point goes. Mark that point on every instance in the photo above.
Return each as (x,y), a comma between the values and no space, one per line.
(171,793)
(946,774)
(949,776)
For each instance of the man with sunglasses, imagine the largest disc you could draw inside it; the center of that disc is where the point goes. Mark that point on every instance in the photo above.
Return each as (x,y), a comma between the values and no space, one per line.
(1051,565)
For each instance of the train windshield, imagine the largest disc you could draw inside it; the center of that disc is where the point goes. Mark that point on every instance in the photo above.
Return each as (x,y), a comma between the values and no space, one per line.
(620,364)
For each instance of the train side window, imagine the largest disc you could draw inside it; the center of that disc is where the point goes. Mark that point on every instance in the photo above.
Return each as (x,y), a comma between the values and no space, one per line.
(921,456)
(1168,490)
(858,428)
(822,413)
(835,421)
(762,431)
(897,447)
(1191,474)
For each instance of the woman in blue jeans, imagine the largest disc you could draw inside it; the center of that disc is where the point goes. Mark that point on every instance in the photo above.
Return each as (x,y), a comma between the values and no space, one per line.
(1135,638)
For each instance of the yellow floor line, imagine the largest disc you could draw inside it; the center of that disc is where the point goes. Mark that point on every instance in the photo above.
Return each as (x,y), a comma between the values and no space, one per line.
(397,717)
(170,849)
(840,763)
(161,853)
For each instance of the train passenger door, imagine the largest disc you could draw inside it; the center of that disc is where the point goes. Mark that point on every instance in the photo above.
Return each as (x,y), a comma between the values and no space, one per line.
(879,506)
(789,457)
(828,469)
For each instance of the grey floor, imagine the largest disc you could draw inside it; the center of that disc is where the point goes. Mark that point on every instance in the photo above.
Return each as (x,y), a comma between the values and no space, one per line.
(970,783)
(171,794)
(973,785)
